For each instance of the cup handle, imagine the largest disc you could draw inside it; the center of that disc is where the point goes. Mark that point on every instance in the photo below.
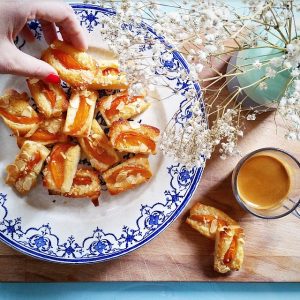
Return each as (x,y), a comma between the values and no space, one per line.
(296,211)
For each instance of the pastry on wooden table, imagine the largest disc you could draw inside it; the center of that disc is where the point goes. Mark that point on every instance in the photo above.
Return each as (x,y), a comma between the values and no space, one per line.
(206,219)
(17,113)
(128,174)
(79,69)
(98,148)
(50,99)
(61,167)
(80,113)
(229,248)
(23,173)
(121,106)
(48,133)
(86,184)
(133,137)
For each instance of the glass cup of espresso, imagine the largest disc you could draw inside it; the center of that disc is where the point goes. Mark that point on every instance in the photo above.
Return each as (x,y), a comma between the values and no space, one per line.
(266,183)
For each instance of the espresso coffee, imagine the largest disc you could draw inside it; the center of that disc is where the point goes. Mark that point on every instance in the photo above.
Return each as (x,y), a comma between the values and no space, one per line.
(263,182)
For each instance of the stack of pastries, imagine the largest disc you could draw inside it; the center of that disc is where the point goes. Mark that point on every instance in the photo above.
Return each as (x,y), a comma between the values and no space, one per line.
(227,234)
(54,137)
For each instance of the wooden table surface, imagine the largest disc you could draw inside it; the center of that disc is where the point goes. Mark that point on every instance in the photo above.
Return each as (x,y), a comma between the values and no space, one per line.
(180,253)
(272,249)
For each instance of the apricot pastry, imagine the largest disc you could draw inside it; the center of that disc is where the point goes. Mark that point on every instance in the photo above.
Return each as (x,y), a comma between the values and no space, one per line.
(229,249)
(17,113)
(50,99)
(48,133)
(128,174)
(79,69)
(61,167)
(86,184)
(98,149)
(80,113)
(23,173)
(206,219)
(121,106)
(133,137)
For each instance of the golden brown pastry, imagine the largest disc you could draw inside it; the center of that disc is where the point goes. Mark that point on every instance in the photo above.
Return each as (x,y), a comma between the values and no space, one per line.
(121,106)
(229,248)
(79,69)
(80,113)
(133,137)
(98,149)
(61,167)
(206,219)
(23,173)
(17,113)
(86,184)
(128,174)
(48,133)
(50,99)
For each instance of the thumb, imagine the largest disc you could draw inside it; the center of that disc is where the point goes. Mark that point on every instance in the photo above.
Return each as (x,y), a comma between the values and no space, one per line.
(14,61)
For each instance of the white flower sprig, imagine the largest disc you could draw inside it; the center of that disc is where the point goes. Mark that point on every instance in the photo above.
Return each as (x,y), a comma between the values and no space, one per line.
(208,33)
(289,108)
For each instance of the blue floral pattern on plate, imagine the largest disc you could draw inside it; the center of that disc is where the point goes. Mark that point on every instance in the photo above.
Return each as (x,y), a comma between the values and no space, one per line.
(42,242)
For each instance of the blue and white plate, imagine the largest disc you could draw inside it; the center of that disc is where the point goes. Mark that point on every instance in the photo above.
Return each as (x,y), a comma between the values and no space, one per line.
(65,230)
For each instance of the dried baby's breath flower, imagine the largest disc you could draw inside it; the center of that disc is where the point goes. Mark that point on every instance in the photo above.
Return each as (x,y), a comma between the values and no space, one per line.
(289,109)
(207,33)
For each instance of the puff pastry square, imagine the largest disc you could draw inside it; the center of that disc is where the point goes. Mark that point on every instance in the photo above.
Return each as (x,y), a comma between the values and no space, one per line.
(133,137)
(61,167)
(86,184)
(23,173)
(17,113)
(98,149)
(50,99)
(128,174)
(121,106)
(229,249)
(206,219)
(80,113)
(79,69)
(48,133)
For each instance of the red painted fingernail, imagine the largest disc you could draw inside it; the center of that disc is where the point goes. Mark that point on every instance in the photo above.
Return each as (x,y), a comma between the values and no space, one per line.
(52,78)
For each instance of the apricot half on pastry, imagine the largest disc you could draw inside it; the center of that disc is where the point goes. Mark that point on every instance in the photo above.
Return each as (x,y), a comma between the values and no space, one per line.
(61,167)
(229,248)
(79,69)
(121,106)
(23,173)
(206,219)
(50,99)
(86,184)
(80,113)
(49,132)
(98,149)
(128,174)
(133,137)
(17,113)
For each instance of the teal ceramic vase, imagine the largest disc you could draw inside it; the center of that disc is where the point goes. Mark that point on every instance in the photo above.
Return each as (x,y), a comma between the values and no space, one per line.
(254,96)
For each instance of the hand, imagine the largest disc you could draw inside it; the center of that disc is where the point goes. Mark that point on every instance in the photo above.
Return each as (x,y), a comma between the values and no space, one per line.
(13,21)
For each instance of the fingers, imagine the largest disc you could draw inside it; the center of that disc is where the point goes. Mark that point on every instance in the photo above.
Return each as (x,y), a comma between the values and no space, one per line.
(49,31)
(72,35)
(64,17)
(14,61)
